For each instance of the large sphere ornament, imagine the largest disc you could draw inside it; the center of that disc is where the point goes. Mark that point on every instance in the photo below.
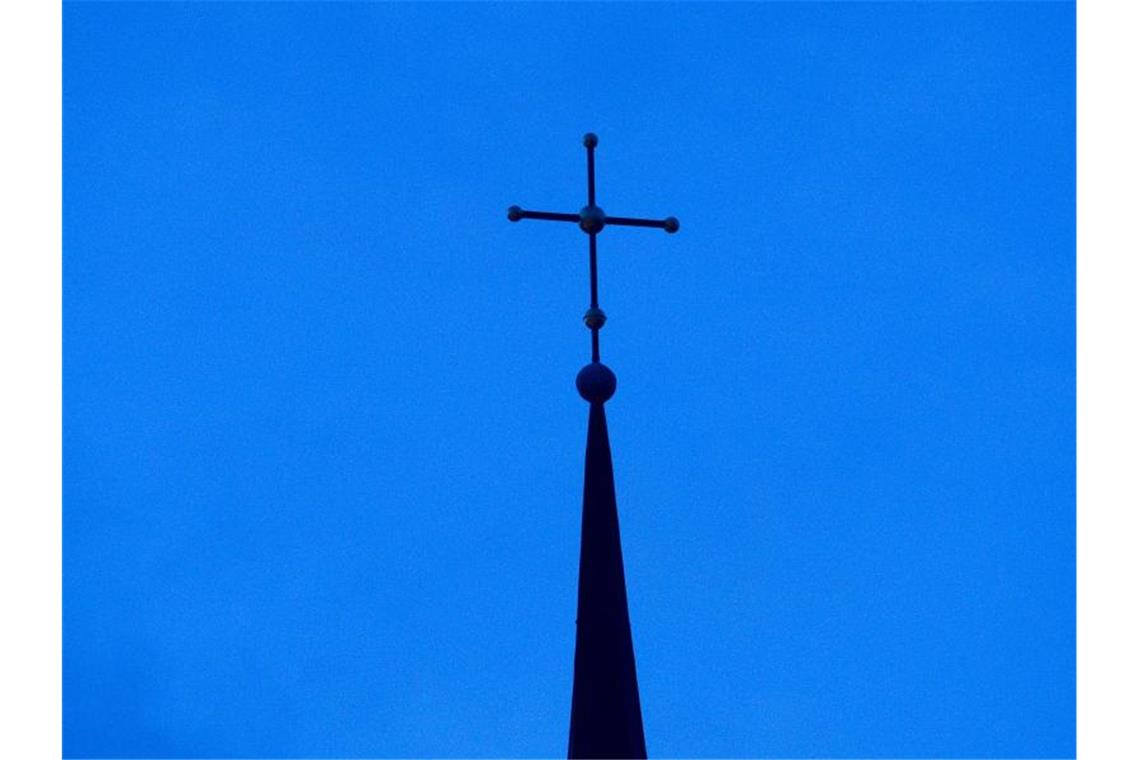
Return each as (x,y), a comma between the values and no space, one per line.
(596,383)
(590,140)
(591,219)
(672,225)
(514,213)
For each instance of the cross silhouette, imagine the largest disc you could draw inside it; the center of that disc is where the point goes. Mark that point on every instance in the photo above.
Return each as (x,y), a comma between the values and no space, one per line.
(591,220)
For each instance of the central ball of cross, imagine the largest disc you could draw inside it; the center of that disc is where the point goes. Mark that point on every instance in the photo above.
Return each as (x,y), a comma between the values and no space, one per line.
(591,219)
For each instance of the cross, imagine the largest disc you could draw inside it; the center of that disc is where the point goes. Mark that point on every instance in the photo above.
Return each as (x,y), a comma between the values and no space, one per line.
(591,220)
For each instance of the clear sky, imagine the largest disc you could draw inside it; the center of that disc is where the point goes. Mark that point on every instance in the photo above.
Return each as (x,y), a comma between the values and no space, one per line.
(322,448)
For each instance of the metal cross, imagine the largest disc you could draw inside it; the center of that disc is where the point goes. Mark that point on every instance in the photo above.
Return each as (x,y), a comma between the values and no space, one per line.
(591,219)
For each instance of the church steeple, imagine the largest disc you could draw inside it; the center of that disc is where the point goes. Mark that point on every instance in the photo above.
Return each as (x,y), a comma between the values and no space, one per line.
(605,712)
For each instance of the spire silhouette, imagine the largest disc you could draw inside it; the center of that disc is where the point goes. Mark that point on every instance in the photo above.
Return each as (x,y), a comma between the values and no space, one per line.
(605,710)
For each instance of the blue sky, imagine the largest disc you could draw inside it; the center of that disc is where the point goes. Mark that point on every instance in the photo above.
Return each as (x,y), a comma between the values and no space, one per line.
(322,447)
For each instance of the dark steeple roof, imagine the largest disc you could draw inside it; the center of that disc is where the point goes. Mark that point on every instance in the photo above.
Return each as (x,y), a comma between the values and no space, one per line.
(605,712)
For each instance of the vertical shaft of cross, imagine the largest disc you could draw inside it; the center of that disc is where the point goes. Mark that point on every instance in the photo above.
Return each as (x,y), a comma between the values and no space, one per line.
(590,145)
(595,352)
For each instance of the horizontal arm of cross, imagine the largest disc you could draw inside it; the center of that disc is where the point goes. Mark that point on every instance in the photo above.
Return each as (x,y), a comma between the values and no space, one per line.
(669,225)
(592,219)
(514,213)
